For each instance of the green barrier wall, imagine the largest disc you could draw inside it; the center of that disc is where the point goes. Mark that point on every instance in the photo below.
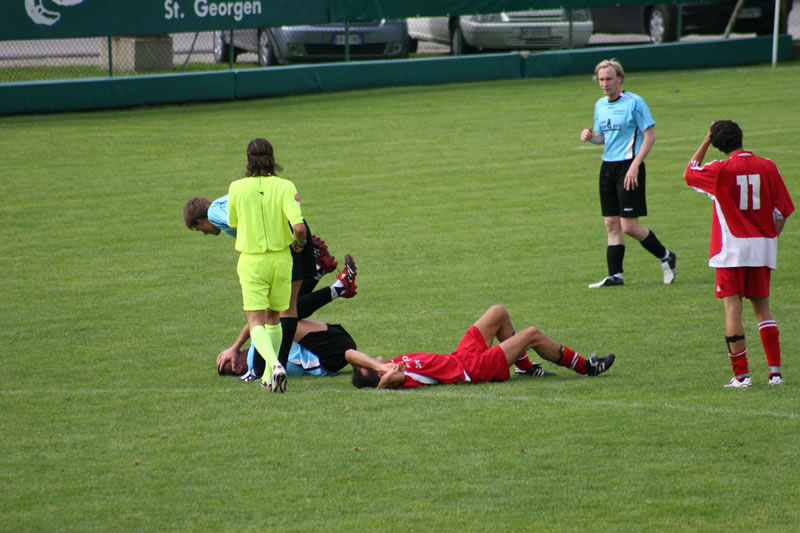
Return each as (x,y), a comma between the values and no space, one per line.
(369,74)
(106,93)
(723,52)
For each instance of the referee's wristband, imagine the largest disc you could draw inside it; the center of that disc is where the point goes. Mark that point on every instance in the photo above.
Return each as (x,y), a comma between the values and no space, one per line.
(300,244)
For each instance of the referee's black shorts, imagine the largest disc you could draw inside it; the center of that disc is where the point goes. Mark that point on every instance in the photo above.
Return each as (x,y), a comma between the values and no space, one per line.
(615,201)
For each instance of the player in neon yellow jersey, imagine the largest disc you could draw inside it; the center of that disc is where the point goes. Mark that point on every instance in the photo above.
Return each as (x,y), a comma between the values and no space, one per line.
(262,207)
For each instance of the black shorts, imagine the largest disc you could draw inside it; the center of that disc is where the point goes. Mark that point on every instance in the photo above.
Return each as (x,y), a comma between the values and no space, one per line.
(615,201)
(304,264)
(329,346)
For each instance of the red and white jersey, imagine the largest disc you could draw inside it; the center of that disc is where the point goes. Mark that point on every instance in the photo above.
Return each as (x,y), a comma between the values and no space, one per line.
(748,193)
(430,369)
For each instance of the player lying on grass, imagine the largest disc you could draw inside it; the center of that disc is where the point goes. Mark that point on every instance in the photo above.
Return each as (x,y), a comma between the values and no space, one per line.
(318,350)
(307,304)
(252,368)
(309,266)
(473,361)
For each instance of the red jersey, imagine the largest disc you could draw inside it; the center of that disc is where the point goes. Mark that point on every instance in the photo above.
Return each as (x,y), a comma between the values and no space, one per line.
(748,193)
(430,369)
(472,361)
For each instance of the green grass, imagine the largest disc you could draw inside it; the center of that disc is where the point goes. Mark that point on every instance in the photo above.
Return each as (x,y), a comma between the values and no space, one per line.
(37,73)
(451,198)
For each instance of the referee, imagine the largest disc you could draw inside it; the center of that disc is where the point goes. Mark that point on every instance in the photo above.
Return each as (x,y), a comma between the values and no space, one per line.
(625,128)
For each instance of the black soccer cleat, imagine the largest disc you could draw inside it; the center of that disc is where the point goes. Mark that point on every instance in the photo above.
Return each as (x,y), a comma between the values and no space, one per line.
(597,365)
(535,371)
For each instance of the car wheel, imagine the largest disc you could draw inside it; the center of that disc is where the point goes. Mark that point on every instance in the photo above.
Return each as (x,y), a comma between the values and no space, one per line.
(458,46)
(661,24)
(222,50)
(413,45)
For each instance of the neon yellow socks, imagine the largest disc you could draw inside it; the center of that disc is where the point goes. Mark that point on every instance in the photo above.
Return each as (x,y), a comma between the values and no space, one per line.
(267,340)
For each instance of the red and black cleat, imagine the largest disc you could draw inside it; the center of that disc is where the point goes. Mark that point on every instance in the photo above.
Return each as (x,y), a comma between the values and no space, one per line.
(325,261)
(348,277)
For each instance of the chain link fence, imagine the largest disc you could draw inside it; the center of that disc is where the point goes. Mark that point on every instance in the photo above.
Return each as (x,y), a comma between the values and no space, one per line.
(416,37)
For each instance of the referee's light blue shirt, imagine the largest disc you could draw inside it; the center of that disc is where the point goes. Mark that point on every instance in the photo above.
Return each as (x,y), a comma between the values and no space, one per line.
(622,123)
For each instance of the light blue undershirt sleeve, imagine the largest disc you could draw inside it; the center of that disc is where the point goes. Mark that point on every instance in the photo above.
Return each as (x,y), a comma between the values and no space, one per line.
(301,361)
(218,215)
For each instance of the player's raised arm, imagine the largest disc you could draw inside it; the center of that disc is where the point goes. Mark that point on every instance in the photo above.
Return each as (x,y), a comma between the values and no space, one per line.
(700,154)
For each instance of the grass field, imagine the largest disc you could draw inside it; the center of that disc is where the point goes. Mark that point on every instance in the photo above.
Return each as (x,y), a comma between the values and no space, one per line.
(451,198)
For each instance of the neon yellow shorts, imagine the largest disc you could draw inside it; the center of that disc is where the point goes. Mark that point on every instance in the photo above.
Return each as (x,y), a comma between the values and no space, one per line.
(266,280)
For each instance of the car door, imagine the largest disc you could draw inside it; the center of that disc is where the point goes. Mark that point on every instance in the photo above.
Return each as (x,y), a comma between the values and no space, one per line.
(618,19)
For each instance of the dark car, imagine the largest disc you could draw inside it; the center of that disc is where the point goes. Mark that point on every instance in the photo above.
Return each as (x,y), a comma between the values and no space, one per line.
(660,21)
(380,39)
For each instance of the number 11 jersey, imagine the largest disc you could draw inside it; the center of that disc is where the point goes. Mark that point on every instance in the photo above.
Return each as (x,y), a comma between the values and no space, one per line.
(748,194)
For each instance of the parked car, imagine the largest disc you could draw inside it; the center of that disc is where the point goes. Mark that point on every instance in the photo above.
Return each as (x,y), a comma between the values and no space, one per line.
(382,39)
(519,30)
(660,21)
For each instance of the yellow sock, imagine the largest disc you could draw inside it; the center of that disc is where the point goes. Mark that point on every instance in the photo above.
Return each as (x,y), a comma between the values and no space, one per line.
(262,338)
(275,334)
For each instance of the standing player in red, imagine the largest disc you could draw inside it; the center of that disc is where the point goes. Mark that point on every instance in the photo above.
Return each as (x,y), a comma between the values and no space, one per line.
(751,204)
(473,361)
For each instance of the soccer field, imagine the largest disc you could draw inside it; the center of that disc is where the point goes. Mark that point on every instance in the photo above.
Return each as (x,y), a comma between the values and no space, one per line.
(451,199)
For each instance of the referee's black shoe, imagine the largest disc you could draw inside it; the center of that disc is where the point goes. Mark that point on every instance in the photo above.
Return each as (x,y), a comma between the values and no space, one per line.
(608,281)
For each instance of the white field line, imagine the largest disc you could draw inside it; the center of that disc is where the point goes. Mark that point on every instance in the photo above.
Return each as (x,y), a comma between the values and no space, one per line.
(469,394)
(692,409)
(695,139)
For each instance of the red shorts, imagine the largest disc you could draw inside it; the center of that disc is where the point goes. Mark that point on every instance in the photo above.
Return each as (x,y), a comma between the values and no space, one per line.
(481,363)
(747,282)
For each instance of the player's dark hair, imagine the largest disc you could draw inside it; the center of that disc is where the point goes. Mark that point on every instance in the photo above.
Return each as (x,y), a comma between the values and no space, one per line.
(261,159)
(365,379)
(726,136)
(195,210)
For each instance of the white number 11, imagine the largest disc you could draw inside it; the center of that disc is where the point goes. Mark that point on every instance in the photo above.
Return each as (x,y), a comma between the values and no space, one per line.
(745,183)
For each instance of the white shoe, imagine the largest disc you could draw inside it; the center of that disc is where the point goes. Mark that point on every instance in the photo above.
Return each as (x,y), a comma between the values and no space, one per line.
(250,375)
(277,382)
(608,281)
(776,380)
(736,384)
(669,269)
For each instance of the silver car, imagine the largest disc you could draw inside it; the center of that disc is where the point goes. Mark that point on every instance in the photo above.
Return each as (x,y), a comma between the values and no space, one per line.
(382,39)
(519,30)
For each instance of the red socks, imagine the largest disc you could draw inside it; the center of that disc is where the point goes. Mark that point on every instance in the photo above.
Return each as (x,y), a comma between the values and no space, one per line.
(523,363)
(770,339)
(739,363)
(572,360)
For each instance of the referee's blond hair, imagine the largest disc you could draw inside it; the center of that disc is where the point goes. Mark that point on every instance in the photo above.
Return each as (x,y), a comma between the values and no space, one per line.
(613,63)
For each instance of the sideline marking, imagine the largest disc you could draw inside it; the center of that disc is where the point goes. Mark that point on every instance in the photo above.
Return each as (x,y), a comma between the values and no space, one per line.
(439,393)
